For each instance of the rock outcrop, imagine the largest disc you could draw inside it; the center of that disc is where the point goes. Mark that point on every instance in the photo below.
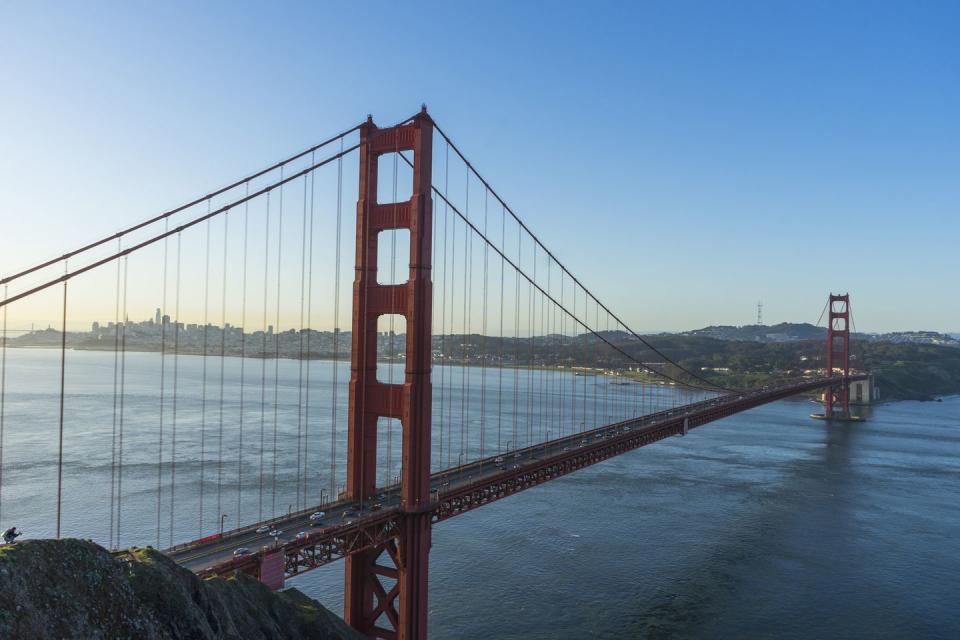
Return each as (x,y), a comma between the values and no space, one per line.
(77,589)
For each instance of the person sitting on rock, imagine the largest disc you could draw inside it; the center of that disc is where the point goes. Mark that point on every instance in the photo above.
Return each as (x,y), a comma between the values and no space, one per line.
(11,534)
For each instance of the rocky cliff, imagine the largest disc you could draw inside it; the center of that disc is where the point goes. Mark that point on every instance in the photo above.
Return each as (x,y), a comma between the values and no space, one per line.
(77,589)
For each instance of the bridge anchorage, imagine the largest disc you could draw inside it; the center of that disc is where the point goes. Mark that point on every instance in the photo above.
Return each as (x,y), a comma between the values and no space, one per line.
(549,378)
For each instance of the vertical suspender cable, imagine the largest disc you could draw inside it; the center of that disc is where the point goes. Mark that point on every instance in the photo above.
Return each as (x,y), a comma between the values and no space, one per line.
(545,326)
(606,385)
(336,335)
(63,378)
(434,323)
(116,372)
(443,312)
(573,351)
(563,347)
(223,350)
(203,385)
(303,300)
(3,397)
(596,379)
(483,329)
(123,382)
(464,356)
(516,341)
(276,357)
(306,409)
(176,362)
(587,339)
(453,299)
(531,325)
(263,357)
(503,298)
(163,375)
(243,354)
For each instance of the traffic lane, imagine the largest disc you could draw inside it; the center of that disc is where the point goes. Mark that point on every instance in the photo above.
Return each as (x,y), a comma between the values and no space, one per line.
(200,557)
(223,549)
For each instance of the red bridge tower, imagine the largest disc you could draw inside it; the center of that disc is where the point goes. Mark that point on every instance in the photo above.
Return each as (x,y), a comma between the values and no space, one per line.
(838,356)
(387,585)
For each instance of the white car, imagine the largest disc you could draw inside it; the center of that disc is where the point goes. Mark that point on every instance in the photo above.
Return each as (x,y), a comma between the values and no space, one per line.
(242,551)
(263,529)
(302,535)
(317,515)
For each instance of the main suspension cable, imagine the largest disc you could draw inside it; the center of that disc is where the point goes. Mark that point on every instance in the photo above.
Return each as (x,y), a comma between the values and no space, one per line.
(168,214)
(560,264)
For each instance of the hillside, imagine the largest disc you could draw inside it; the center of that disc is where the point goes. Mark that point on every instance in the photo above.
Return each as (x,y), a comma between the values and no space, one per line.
(903,371)
(76,589)
(783,332)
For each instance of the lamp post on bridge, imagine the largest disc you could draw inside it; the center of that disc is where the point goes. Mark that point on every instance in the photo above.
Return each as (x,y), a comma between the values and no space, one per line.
(222,518)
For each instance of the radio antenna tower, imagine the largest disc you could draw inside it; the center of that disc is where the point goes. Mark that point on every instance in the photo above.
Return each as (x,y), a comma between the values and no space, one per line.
(759,313)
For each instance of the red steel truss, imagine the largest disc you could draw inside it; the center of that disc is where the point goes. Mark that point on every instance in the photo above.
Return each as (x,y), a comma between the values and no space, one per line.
(376,532)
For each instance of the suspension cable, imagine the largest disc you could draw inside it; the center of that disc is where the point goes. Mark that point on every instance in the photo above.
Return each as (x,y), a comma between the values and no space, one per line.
(711,386)
(560,264)
(532,283)
(167,214)
(182,227)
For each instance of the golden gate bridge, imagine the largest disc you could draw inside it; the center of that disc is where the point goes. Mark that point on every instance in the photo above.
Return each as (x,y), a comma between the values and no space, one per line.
(479,366)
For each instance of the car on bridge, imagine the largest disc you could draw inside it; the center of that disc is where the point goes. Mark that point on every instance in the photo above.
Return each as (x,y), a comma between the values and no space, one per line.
(242,551)
(264,529)
(317,515)
(302,535)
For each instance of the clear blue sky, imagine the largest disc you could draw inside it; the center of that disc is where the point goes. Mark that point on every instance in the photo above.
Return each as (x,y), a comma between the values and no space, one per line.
(685,159)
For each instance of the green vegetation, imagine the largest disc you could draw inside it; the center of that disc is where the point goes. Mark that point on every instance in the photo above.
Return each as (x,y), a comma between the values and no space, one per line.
(902,371)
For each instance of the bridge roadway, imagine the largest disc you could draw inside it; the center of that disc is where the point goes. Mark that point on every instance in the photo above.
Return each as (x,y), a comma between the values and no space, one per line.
(348,526)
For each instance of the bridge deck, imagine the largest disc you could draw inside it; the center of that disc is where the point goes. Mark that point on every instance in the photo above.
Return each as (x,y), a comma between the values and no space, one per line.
(349,527)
